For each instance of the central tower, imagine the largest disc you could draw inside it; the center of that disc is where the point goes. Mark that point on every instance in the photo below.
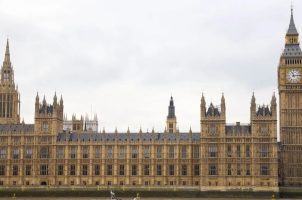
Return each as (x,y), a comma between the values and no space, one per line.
(290,108)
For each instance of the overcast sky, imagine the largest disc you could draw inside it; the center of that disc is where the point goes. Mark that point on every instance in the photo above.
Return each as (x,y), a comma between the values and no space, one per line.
(125,58)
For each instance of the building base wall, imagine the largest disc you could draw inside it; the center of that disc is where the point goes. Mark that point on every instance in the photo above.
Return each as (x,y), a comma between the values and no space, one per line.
(185,192)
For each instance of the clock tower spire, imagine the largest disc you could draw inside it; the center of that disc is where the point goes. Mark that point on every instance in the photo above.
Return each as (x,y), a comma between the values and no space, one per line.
(292,35)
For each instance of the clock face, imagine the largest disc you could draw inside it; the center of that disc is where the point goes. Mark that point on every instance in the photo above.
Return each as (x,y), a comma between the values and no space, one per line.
(293,75)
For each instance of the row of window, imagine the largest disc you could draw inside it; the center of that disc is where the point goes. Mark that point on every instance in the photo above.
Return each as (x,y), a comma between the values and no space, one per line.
(213,130)
(213,170)
(213,151)
(239,171)
(27,170)
(122,151)
(121,171)
(109,183)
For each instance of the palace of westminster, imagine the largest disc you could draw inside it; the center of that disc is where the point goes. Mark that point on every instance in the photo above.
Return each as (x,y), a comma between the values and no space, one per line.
(56,152)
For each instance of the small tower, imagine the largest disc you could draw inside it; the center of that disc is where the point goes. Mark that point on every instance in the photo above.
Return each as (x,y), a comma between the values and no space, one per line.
(264,128)
(222,104)
(48,117)
(9,95)
(264,118)
(274,106)
(77,124)
(212,134)
(212,119)
(253,106)
(171,118)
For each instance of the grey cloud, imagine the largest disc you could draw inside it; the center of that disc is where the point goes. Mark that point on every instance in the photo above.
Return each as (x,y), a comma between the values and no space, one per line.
(126,57)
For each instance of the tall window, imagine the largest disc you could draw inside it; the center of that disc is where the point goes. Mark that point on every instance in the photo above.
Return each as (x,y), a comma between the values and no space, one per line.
(146,151)
(170,127)
(134,170)
(171,170)
(72,170)
(146,170)
(2,153)
(264,150)
(122,152)
(212,130)
(213,170)
(110,152)
(27,170)
(264,169)
(45,126)
(122,170)
(229,151)
(6,76)
(159,152)
(238,169)
(84,170)
(43,170)
(97,152)
(229,169)
(213,150)
(134,152)
(97,170)
(109,170)
(196,170)
(16,153)
(85,152)
(171,152)
(196,152)
(2,170)
(73,152)
(184,152)
(60,152)
(44,152)
(158,170)
(248,169)
(15,170)
(238,151)
(60,170)
(184,171)
(247,151)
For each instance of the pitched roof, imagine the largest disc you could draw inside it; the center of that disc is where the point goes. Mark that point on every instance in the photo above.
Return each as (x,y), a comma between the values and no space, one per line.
(292,30)
(131,137)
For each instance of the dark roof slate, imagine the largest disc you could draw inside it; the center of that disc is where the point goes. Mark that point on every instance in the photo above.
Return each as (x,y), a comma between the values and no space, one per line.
(131,137)
(16,128)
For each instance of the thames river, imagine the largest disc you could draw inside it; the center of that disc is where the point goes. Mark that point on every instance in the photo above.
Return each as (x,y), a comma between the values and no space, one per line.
(124,198)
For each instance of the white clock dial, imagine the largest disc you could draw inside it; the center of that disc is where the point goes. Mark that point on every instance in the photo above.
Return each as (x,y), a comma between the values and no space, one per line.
(293,75)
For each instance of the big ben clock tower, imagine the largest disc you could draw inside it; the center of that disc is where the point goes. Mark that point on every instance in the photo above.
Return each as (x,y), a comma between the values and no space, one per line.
(290,110)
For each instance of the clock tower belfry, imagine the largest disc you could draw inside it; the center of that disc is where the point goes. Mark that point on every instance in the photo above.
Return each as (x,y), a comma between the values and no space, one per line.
(290,108)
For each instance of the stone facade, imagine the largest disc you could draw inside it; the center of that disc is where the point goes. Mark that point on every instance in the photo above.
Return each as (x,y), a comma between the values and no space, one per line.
(239,156)
(219,157)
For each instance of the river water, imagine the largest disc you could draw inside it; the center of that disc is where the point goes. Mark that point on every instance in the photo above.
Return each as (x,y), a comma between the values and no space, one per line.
(124,198)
